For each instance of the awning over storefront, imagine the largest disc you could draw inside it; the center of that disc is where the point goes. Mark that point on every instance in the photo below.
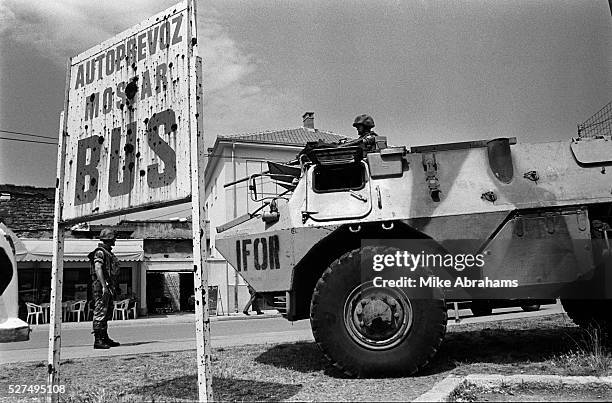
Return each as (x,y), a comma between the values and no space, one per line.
(76,250)
(170,265)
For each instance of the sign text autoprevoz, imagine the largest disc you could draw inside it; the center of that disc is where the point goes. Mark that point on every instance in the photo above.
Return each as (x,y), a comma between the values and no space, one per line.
(128,120)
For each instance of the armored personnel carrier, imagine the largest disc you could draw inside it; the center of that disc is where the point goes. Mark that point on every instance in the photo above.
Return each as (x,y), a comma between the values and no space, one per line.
(534,218)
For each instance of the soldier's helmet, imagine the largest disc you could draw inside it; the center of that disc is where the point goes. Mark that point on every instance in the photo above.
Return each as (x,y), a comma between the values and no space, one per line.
(107,234)
(365,120)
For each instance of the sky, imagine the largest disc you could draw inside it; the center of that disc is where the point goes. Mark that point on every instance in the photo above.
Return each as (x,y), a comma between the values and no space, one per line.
(427,71)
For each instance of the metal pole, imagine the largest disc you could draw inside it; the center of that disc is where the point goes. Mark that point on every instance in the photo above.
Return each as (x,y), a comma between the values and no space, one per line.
(235,216)
(198,214)
(57,263)
(456,307)
(55,320)
(227,289)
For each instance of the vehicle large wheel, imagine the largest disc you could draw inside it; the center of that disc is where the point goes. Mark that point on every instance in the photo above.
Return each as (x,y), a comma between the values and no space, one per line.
(590,313)
(372,331)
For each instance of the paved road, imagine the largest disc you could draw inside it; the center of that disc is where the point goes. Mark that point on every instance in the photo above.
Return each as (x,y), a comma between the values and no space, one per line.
(155,337)
(175,334)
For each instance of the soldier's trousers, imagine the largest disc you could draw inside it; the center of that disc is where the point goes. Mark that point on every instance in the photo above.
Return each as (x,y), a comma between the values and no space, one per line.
(103,307)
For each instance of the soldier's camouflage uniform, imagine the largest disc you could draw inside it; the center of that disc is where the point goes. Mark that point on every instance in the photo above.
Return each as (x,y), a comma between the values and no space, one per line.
(103,309)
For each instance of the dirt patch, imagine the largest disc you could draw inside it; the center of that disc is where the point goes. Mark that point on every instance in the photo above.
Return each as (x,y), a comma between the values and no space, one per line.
(296,371)
(539,345)
(299,371)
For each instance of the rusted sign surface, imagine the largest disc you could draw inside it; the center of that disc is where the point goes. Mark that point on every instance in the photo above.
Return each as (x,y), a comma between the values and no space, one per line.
(128,120)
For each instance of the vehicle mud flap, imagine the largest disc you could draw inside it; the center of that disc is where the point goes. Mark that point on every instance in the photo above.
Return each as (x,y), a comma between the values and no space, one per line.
(594,313)
(607,257)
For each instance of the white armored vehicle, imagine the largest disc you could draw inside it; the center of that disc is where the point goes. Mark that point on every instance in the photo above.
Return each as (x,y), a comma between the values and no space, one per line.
(534,218)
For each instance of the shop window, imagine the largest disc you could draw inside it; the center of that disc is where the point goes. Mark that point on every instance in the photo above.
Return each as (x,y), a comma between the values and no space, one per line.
(27,286)
(44,284)
(76,282)
(125,282)
(26,290)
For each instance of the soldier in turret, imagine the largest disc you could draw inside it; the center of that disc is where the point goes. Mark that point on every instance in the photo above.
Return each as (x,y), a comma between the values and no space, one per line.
(367,138)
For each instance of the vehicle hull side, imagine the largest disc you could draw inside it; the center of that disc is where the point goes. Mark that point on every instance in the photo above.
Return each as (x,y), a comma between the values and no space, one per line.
(462,213)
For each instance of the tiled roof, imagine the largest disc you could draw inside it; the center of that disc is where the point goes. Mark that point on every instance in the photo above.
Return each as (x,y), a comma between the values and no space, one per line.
(297,137)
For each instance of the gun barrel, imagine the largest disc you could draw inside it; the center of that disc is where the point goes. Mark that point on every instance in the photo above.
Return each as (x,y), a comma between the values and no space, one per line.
(246,178)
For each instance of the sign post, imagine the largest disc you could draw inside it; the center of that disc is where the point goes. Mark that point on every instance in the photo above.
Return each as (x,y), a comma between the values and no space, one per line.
(200,256)
(57,270)
(198,217)
(131,140)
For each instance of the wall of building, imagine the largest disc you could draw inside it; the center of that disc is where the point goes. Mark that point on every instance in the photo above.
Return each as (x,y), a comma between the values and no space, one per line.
(216,199)
(248,159)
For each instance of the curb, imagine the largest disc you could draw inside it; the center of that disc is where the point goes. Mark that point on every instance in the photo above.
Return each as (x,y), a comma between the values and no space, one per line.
(188,318)
(244,317)
(442,390)
(496,380)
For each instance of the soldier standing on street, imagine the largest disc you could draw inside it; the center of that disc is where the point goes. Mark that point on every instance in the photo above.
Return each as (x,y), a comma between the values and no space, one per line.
(104,272)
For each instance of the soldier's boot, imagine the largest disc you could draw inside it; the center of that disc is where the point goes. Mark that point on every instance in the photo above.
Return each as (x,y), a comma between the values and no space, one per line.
(99,341)
(110,341)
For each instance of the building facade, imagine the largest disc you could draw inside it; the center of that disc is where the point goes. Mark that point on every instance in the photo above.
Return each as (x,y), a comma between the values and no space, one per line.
(28,212)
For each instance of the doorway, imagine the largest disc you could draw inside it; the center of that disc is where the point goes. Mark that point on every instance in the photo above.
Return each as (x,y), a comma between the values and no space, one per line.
(186,290)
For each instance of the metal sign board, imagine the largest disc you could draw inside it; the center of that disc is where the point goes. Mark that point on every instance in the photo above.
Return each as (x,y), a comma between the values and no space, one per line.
(131,139)
(128,139)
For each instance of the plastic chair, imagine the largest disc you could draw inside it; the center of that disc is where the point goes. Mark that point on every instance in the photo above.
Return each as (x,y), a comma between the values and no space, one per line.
(34,311)
(78,308)
(46,307)
(65,309)
(132,310)
(89,309)
(121,308)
